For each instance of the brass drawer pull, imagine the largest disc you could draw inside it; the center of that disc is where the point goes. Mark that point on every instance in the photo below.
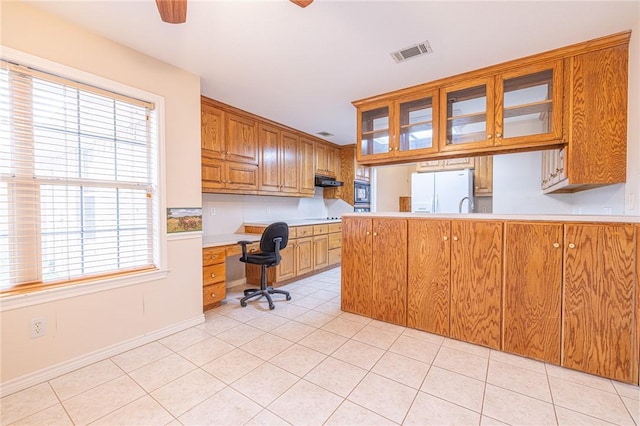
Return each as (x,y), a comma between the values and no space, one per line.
(213,275)
(556,245)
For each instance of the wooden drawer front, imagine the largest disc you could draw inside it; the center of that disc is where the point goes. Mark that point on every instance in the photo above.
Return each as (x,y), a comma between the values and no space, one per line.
(335,256)
(213,293)
(254,229)
(212,256)
(335,241)
(213,274)
(304,231)
(293,232)
(335,227)
(236,250)
(320,229)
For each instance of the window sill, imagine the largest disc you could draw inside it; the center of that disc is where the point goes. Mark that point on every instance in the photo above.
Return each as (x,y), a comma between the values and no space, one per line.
(47,295)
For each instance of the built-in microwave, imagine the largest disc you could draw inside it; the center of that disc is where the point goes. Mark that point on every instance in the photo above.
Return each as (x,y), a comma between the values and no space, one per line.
(361,193)
(362,208)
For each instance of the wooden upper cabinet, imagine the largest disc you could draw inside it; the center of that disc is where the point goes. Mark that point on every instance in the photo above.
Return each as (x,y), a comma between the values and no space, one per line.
(483,176)
(467,120)
(399,128)
(212,131)
(362,173)
(476,281)
(270,158)
(529,105)
(596,86)
(289,156)
(320,159)
(428,281)
(599,304)
(306,166)
(521,107)
(532,294)
(241,139)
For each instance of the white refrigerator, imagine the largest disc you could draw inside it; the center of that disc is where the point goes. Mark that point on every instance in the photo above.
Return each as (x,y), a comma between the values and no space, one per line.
(442,192)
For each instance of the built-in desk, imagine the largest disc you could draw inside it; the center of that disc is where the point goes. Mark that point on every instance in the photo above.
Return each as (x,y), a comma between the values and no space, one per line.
(215,250)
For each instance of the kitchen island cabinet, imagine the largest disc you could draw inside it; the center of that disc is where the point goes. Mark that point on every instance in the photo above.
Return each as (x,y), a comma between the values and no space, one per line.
(476,281)
(561,289)
(374,274)
(532,293)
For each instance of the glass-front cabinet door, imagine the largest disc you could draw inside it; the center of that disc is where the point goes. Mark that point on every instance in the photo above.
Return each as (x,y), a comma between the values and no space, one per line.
(529,105)
(416,116)
(375,132)
(467,119)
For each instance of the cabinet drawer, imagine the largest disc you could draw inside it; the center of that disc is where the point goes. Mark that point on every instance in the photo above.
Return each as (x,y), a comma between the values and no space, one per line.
(335,227)
(304,231)
(213,274)
(212,256)
(335,240)
(213,293)
(293,232)
(320,229)
(236,250)
(335,256)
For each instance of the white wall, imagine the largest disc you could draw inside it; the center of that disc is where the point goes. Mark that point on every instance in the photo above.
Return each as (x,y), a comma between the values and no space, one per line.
(231,211)
(81,328)
(390,183)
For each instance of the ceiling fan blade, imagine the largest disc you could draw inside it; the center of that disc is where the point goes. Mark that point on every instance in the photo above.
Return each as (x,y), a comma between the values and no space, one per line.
(172,11)
(302,3)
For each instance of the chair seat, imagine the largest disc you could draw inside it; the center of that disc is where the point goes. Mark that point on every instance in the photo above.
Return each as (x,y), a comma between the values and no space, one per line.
(260,259)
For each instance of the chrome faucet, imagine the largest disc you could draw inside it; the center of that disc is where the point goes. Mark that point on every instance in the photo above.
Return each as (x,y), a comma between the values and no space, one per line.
(471,206)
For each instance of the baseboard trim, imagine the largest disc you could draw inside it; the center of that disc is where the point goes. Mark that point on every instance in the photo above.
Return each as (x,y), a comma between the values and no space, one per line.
(31,379)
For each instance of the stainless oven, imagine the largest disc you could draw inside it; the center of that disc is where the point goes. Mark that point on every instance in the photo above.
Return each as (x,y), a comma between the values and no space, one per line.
(361,193)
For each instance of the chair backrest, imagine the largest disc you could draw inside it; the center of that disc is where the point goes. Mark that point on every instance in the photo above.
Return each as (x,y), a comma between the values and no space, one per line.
(275,230)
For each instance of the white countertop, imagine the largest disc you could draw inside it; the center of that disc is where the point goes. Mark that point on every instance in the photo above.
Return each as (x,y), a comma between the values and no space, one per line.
(514,217)
(227,239)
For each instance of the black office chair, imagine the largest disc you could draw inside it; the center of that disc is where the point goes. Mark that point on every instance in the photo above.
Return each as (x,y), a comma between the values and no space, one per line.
(274,238)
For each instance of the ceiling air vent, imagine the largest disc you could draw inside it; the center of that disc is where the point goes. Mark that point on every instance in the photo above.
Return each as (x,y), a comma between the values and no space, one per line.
(412,52)
(325,134)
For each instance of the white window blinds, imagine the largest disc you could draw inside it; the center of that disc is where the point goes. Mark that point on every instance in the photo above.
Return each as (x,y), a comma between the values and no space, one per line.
(77,180)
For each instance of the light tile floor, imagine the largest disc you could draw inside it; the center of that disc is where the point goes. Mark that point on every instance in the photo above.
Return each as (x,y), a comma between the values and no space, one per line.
(308,363)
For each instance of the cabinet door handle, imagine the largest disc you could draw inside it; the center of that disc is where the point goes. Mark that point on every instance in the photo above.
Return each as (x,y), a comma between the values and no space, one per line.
(498,135)
(397,148)
(213,275)
(390,149)
(571,245)
(368,233)
(375,234)
(556,245)
(445,238)
(455,238)
(489,136)
(213,295)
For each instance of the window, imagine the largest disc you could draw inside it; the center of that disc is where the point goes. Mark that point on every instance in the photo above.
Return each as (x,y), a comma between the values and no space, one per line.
(78,181)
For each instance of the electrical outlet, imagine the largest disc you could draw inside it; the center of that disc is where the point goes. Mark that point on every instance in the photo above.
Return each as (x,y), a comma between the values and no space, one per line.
(38,327)
(213,211)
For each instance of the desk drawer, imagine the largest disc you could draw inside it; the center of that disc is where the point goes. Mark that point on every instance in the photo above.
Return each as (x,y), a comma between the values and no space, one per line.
(213,293)
(213,256)
(237,249)
(213,274)
(304,231)
(335,227)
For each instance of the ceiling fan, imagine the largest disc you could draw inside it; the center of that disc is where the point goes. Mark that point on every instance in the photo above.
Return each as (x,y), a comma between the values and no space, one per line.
(175,11)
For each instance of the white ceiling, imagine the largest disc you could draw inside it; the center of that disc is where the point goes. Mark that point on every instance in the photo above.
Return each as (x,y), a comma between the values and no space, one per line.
(303,67)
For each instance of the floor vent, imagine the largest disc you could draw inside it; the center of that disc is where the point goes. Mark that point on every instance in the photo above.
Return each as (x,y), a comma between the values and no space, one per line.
(411,52)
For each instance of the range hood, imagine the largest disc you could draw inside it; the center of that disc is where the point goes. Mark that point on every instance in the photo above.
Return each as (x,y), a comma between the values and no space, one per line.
(325,181)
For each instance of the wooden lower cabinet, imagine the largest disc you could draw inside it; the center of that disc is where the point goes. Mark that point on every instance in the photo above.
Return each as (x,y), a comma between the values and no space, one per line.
(213,275)
(476,281)
(532,292)
(428,280)
(320,251)
(599,301)
(374,280)
(304,255)
(357,269)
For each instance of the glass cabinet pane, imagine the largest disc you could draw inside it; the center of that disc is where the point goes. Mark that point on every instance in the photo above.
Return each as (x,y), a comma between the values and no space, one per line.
(528,105)
(416,124)
(467,115)
(375,131)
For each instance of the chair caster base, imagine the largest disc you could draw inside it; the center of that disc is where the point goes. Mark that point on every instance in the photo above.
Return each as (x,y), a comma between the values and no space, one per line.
(243,303)
(288,297)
